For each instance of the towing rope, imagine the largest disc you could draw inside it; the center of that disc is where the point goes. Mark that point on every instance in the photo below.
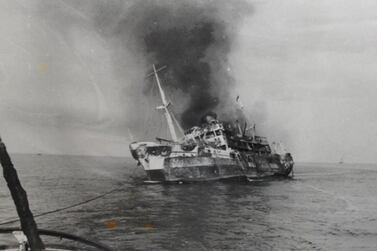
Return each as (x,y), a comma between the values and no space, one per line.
(65,208)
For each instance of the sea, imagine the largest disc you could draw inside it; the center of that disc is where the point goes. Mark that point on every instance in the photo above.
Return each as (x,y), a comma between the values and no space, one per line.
(323,207)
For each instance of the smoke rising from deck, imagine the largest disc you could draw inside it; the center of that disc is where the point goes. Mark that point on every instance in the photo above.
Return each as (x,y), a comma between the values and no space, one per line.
(193,39)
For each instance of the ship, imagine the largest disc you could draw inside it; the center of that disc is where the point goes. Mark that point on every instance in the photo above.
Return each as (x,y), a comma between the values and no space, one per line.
(213,150)
(341,161)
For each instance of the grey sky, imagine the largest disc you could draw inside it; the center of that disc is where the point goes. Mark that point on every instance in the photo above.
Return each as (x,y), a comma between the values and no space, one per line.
(308,69)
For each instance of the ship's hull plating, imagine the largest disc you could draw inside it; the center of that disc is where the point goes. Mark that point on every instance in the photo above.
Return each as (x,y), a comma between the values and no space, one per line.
(190,169)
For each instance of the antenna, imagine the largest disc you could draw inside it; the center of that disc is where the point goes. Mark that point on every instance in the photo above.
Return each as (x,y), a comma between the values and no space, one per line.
(244,129)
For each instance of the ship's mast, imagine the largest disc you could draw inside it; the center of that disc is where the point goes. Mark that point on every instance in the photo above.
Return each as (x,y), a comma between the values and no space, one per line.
(164,107)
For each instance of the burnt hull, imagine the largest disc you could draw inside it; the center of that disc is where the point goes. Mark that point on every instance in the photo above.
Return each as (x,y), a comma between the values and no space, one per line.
(190,169)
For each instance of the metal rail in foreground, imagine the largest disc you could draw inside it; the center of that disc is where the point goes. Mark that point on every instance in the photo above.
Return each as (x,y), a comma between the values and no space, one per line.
(61,235)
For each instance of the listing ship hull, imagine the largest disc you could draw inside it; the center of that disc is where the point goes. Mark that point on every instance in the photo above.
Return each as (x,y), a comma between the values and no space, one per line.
(190,169)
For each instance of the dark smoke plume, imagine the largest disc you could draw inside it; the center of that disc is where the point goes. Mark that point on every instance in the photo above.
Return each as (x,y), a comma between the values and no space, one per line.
(193,39)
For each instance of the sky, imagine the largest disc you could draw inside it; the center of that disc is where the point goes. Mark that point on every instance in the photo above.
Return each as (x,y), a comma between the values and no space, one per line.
(305,71)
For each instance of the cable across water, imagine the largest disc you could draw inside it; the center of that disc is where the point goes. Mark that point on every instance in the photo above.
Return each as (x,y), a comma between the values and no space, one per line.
(67,207)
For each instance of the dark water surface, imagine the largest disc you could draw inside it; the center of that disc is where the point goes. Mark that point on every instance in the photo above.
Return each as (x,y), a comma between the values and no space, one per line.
(325,207)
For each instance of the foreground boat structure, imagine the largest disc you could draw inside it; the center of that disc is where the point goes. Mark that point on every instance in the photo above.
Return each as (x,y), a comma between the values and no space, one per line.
(28,236)
(23,243)
(211,151)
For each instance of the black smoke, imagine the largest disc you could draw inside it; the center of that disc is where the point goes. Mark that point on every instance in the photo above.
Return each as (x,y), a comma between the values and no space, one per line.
(183,50)
(193,39)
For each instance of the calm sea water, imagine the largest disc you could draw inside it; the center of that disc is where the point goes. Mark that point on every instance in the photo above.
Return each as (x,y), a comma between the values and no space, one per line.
(325,207)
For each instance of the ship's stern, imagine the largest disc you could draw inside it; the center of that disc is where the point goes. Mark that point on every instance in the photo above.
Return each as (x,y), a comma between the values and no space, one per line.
(286,164)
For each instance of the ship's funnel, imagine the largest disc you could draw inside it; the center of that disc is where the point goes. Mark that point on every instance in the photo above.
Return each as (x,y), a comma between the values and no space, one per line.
(209,117)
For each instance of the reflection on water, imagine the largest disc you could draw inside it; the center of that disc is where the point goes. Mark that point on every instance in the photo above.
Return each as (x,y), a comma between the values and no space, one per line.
(323,207)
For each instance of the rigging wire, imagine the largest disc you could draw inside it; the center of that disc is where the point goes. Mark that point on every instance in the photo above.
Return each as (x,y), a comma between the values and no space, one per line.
(149,118)
(173,113)
(159,129)
(176,122)
(67,207)
(147,110)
